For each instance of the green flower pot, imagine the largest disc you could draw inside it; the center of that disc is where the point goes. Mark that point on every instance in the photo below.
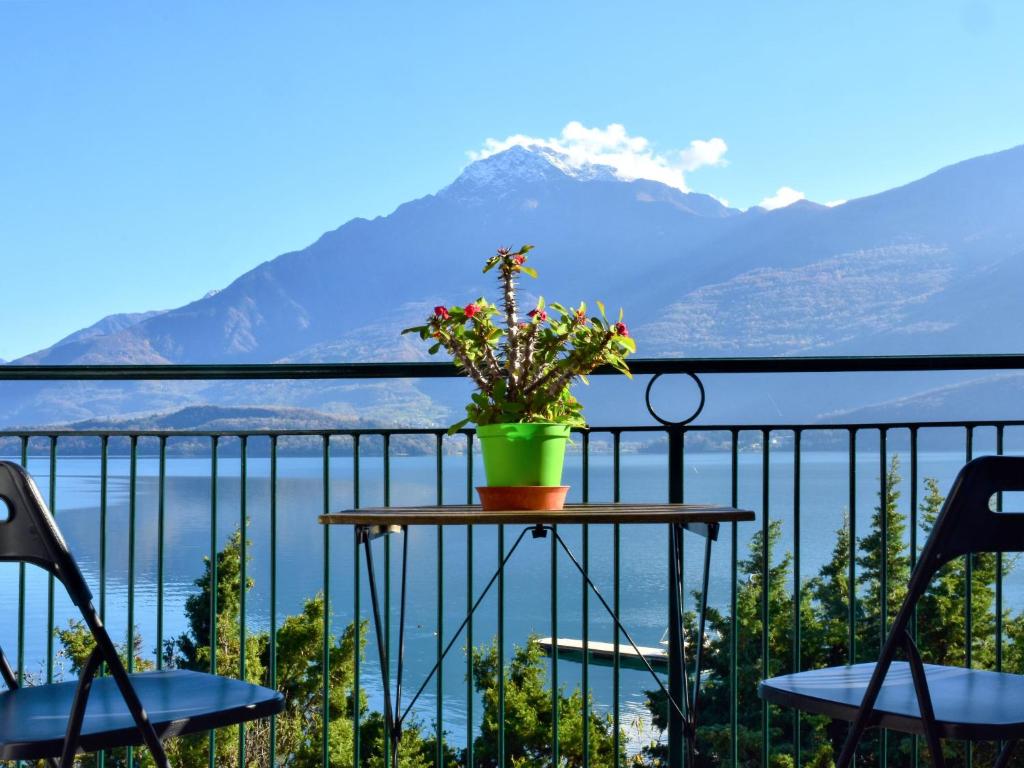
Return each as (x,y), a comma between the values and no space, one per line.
(523,454)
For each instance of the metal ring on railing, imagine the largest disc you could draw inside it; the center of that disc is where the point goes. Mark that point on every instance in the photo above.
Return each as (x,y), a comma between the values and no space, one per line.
(666,422)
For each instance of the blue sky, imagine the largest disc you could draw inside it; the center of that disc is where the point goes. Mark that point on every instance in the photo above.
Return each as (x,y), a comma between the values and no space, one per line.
(152,152)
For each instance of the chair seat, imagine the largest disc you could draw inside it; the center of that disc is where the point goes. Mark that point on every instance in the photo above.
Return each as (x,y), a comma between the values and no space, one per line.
(33,719)
(969,703)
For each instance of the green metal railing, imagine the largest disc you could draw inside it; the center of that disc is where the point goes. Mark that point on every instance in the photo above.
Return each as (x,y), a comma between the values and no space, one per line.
(675,435)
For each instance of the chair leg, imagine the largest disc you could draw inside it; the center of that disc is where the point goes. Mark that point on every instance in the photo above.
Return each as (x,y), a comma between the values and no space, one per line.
(78,705)
(1004,754)
(131,698)
(153,743)
(116,667)
(924,702)
(850,745)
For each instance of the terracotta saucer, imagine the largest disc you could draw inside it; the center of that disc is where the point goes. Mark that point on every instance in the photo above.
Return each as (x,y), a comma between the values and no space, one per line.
(517,497)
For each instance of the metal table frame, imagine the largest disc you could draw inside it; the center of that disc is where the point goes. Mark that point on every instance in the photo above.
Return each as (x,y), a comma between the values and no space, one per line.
(682,697)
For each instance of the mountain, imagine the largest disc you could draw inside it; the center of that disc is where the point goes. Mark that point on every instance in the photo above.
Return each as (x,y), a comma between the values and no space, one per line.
(924,267)
(988,397)
(226,419)
(110,326)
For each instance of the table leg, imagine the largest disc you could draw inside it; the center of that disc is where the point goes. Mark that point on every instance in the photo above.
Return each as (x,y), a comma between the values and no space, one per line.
(674,703)
(682,709)
(679,717)
(701,624)
(392,716)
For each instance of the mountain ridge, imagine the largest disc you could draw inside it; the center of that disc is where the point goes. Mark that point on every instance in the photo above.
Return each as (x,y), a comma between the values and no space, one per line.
(887,273)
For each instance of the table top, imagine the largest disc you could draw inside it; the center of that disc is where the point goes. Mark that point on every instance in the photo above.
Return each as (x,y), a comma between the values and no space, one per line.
(473,514)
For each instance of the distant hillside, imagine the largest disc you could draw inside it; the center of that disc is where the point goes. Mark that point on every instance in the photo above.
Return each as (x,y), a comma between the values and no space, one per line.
(96,343)
(983,398)
(222,421)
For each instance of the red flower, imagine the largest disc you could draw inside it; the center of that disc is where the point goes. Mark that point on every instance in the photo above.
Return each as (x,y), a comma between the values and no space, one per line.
(520,259)
(581,316)
(621,329)
(471,309)
(540,314)
(441,312)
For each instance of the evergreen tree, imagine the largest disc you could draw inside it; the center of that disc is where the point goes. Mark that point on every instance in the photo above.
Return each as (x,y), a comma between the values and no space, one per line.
(714,736)
(529,715)
(827,635)
(896,567)
(942,611)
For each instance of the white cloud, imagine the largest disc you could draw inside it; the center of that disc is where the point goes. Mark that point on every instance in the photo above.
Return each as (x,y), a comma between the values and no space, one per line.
(710,152)
(632,157)
(835,203)
(783,196)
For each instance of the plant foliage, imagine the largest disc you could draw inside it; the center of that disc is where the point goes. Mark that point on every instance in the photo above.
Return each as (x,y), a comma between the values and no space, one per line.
(524,368)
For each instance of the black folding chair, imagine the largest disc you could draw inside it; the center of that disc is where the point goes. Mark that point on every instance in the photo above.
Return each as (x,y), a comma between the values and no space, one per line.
(59,719)
(937,702)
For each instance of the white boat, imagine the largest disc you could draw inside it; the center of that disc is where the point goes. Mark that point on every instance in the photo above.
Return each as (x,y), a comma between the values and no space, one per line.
(605,651)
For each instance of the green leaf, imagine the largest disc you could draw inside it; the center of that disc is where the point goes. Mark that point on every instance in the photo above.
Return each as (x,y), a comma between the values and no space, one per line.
(627,342)
(528,271)
(457,426)
(600,307)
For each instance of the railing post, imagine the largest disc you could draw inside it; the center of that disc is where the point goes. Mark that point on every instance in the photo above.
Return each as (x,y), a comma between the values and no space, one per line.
(675,669)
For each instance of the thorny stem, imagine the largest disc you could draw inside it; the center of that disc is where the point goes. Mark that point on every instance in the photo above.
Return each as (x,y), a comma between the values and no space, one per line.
(507,278)
(492,362)
(527,350)
(470,367)
(541,381)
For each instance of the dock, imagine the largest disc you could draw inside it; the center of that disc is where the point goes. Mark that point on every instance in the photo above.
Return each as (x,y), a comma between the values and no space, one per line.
(601,651)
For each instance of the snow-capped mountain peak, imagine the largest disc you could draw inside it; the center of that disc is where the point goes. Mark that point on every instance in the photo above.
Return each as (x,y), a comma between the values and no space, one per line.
(530,164)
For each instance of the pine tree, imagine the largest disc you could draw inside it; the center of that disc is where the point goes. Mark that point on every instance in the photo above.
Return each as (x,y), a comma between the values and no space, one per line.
(528,715)
(870,562)
(714,736)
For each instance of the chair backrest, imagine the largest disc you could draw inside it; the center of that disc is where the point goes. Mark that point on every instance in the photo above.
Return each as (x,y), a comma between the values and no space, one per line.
(967,523)
(30,535)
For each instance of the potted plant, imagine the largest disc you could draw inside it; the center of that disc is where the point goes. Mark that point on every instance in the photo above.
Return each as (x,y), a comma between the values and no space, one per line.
(524,369)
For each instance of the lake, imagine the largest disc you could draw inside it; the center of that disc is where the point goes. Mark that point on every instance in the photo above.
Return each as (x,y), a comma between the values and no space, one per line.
(824,503)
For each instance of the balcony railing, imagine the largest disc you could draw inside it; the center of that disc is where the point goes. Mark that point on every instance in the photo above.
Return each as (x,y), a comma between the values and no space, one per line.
(133,504)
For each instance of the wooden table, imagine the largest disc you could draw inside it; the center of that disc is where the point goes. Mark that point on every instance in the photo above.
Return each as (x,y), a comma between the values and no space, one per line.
(371,523)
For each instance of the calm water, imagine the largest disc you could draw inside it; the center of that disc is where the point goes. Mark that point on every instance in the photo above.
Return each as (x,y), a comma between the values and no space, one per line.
(824,503)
